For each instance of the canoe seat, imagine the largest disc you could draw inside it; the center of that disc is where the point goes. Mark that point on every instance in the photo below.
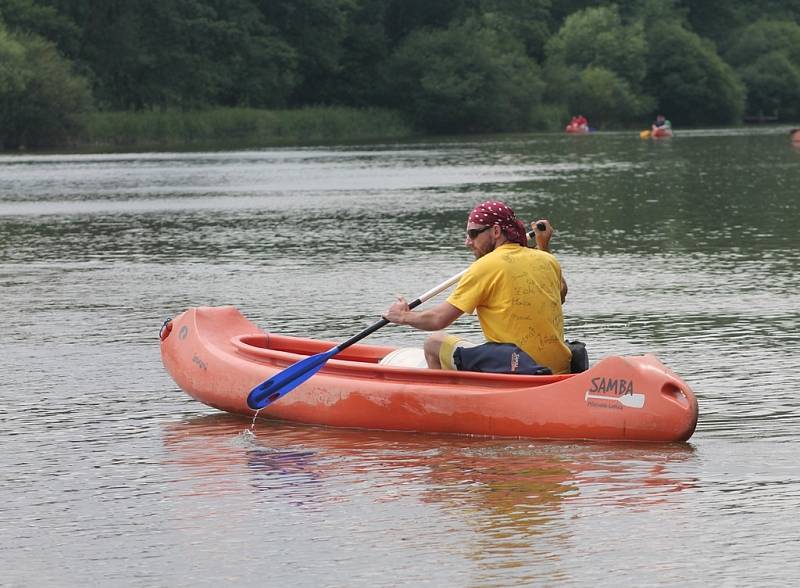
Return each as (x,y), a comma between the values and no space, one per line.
(405,357)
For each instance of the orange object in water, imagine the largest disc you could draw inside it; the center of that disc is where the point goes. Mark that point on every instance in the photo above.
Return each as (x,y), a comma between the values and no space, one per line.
(661,132)
(578,129)
(217,356)
(796,136)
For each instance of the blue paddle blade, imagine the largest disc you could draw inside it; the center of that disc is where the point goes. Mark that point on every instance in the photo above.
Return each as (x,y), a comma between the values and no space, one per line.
(271,390)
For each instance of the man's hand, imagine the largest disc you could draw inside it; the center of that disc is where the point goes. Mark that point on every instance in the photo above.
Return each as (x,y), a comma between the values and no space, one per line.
(542,236)
(397,311)
(543,243)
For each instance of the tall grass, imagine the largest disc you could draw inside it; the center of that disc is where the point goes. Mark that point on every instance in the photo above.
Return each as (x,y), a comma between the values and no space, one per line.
(243,126)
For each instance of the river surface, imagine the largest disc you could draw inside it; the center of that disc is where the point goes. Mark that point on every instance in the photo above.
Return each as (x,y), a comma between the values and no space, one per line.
(687,248)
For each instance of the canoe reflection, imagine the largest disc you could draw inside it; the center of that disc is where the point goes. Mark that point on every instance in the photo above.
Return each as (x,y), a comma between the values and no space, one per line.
(504,483)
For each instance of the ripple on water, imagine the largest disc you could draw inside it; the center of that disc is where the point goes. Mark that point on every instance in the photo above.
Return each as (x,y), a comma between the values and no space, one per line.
(106,461)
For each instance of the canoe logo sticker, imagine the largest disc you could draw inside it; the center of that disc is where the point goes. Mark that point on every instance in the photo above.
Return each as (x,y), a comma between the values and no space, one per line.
(199,362)
(613,393)
(183,332)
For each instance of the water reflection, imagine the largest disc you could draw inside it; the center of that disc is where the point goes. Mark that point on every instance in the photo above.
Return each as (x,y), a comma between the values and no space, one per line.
(496,486)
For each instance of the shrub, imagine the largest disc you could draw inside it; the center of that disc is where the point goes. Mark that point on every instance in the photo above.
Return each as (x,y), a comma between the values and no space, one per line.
(42,102)
(601,95)
(596,64)
(767,56)
(243,126)
(691,82)
(596,37)
(467,77)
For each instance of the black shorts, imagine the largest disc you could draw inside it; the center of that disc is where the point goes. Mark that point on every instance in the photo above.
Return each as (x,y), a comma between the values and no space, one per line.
(498,358)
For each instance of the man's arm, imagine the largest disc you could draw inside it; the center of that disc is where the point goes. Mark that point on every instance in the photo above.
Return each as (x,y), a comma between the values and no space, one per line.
(432,319)
(543,244)
(542,236)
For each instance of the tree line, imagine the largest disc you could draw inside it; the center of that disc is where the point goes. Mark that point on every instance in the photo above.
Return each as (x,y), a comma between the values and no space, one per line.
(450,66)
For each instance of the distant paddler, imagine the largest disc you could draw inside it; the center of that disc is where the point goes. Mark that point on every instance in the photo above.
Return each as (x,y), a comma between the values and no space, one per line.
(661,127)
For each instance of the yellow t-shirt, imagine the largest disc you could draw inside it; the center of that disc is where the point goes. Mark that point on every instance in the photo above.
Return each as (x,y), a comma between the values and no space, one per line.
(517,294)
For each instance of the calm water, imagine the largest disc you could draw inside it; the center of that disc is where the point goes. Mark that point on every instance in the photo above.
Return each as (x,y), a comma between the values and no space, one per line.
(687,248)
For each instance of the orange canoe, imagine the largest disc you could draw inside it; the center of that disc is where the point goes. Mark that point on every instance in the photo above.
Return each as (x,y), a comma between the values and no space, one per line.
(660,132)
(217,356)
(576,129)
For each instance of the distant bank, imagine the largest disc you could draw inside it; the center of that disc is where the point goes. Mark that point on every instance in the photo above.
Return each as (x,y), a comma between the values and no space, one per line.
(239,126)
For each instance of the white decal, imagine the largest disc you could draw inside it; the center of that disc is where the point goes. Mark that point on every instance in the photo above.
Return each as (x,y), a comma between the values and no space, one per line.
(632,400)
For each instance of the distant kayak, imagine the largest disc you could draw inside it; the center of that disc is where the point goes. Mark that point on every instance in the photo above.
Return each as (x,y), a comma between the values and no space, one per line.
(217,356)
(577,129)
(661,132)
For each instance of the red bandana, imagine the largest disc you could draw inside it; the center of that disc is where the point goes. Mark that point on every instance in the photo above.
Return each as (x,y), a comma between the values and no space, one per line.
(493,212)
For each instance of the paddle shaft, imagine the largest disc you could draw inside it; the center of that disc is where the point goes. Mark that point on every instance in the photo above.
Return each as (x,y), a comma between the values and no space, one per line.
(383,322)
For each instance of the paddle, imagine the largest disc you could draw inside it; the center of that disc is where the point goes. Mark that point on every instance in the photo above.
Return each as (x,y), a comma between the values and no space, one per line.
(631,400)
(284,382)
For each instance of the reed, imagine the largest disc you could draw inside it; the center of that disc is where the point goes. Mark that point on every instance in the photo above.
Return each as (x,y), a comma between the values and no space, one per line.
(247,126)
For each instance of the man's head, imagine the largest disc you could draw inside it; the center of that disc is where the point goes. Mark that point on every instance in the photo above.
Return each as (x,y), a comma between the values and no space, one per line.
(491,224)
(660,117)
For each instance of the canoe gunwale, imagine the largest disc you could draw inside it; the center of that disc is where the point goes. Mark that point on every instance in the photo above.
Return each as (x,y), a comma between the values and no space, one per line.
(411,375)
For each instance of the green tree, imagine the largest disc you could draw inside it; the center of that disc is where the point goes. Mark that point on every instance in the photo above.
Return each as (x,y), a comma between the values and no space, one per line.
(767,56)
(762,37)
(597,37)
(364,48)
(315,30)
(42,102)
(601,95)
(528,21)
(261,67)
(722,21)
(773,86)
(596,65)
(561,9)
(465,78)
(13,76)
(404,17)
(715,20)
(180,53)
(691,82)
(32,16)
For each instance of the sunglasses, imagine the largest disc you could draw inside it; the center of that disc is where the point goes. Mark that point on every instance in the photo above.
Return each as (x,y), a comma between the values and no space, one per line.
(473,233)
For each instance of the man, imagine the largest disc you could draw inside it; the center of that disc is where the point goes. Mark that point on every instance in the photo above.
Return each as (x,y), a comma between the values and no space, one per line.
(661,121)
(516,291)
